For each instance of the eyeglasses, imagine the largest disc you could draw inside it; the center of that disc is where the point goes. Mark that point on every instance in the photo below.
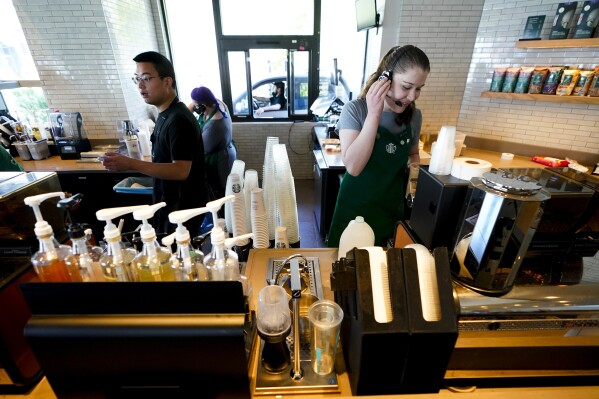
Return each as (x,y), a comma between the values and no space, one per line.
(145,79)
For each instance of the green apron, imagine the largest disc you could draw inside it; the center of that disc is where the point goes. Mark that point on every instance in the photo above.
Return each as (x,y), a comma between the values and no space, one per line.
(377,193)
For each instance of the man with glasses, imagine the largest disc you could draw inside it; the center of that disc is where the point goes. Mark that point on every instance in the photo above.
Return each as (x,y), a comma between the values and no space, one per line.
(177,164)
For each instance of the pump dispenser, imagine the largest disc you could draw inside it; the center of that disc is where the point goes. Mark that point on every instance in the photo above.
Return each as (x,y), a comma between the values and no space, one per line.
(222,263)
(187,263)
(48,261)
(80,260)
(153,262)
(116,262)
(232,266)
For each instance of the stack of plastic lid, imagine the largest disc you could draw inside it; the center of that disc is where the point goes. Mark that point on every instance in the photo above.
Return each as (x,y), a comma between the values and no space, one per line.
(443,151)
(285,193)
(268,184)
(258,219)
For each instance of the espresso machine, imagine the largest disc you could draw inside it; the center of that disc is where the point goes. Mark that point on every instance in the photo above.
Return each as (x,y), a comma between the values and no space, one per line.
(68,134)
(523,246)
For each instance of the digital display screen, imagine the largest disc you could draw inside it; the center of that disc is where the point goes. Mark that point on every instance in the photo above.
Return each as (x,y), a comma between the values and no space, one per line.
(366,15)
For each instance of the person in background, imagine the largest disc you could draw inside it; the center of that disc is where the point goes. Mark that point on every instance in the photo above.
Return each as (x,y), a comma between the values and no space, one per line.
(177,164)
(379,134)
(217,135)
(7,162)
(277,100)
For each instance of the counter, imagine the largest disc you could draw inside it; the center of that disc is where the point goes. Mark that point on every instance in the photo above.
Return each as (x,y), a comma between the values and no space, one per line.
(56,164)
(95,183)
(256,268)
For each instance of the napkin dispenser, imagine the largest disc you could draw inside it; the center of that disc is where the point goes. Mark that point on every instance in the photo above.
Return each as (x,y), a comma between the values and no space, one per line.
(408,354)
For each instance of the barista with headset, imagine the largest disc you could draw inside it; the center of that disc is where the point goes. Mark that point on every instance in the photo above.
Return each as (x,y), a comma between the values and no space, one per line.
(379,134)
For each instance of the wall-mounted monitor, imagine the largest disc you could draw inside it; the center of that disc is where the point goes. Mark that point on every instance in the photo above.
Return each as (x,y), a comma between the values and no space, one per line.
(366,14)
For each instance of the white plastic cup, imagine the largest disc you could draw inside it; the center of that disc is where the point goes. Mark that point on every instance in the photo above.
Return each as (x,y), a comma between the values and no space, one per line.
(325,324)
(273,314)
(281,240)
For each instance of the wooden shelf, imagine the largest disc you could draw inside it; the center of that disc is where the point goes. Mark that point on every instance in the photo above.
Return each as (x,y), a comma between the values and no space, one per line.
(558,43)
(551,98)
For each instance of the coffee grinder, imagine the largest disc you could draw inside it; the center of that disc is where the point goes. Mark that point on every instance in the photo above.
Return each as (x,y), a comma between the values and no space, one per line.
(499,218)
(68,134)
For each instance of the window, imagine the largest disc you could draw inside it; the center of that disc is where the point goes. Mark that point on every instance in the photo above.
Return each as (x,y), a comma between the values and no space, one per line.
(266,47)
(240,49)
(20,94)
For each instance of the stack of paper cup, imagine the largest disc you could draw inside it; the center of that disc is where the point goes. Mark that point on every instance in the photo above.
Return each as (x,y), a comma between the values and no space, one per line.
(258,219)
(238,210)
(238,169)
(285,193)
(443,151)
(268,184)
(250,182)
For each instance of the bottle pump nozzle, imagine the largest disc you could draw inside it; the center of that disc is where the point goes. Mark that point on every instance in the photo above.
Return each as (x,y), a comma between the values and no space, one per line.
(147,231)
(168,240)
(217,236)
(179,217)
(107,214)
(75,230)
(231,242)
(42,228)
(214,206)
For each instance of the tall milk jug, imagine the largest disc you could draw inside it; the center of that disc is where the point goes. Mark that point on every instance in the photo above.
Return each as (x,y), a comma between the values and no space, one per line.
(357,234)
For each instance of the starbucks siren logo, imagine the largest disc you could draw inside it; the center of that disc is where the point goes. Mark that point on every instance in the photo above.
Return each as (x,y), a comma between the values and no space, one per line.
(391,148)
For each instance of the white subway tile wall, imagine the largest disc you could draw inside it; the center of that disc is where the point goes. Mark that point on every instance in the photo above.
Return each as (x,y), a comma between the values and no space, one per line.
(446,31)
(83,53)
(250,140)
(554,125)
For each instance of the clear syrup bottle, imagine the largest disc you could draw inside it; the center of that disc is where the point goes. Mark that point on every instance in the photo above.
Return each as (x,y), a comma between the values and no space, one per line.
(222,263)
(187,262)
(153,262)
(116,260)
(49,260)
(80,260)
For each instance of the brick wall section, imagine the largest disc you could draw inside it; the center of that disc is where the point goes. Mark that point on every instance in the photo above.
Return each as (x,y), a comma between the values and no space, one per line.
(83,53)
(250,139)
(446,31)
(554,125)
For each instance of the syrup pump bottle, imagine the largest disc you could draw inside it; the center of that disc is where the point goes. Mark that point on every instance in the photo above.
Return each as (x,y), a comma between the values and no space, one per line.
(80,260)
(153,262)
(222,264)
(187,262)
(116,261)
(48,261)
(232,267)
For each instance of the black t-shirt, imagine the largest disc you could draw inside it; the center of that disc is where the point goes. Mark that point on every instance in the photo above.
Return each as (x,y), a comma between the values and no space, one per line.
(280,99)
(177,137)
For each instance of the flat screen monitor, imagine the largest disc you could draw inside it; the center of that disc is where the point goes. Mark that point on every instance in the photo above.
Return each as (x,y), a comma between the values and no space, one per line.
(366,15)
(140,340)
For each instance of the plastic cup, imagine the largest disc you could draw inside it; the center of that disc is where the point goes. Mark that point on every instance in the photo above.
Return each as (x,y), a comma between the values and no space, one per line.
(273,314)
(281,240)
(325,324)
